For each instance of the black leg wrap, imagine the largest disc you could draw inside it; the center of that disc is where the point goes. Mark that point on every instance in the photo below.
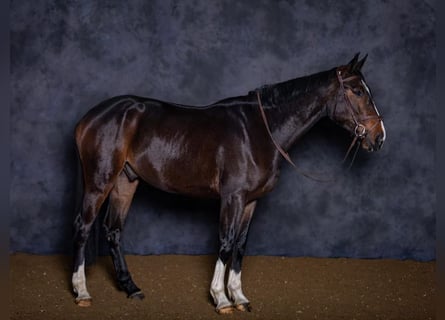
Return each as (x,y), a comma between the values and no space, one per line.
(126,284)
(124,280)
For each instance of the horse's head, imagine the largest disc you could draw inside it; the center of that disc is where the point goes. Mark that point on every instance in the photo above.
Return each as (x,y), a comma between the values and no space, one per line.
(355,109)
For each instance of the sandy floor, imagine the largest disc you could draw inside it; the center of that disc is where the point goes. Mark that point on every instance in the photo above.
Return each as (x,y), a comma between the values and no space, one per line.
(176,287)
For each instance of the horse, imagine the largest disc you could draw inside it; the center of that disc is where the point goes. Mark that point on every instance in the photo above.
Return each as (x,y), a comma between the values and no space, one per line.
(231,150)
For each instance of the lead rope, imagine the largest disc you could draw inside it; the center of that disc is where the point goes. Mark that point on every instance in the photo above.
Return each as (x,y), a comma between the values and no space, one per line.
(280,150)
(354,142)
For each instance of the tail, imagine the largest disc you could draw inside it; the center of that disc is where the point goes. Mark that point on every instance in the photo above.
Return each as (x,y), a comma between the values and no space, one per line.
(92,245)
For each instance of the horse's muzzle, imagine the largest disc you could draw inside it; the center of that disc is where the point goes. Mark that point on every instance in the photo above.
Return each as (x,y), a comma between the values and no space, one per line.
(379,139)
(374,144)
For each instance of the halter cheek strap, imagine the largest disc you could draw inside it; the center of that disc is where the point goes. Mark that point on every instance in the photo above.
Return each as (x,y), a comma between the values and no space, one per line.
(360,131)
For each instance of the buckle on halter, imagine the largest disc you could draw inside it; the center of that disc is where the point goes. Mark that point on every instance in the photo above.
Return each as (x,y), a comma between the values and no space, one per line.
(360,130)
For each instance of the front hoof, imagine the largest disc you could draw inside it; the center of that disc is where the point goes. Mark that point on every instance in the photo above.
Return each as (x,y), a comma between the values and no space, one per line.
(137,295)
(244,307)
(84,302)
(225,310)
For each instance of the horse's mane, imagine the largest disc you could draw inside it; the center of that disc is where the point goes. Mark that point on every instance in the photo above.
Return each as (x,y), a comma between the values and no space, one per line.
(290,90)
(271,94)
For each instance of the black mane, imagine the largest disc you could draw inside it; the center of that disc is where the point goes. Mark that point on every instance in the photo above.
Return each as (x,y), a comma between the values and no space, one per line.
(289,91)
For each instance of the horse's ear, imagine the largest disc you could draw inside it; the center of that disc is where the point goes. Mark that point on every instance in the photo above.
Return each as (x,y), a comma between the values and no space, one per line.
(360,64)
(353,62)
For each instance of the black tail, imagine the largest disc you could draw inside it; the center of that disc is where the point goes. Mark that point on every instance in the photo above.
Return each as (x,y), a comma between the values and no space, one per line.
(92,245)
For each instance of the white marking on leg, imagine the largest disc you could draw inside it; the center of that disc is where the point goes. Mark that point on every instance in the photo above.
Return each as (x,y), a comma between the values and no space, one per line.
(235,290)
(217,288)
(79,283)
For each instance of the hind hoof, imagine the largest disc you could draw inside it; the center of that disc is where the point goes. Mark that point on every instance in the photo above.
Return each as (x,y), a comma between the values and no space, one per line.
(137,295)
(244,307)
(84,302)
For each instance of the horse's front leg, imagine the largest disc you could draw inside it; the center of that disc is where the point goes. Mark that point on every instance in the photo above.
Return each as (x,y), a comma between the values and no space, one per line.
(234,283)
(235,218)
(231,211)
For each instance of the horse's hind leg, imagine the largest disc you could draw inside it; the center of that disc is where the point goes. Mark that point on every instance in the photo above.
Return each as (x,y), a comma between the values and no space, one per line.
(99,179)
(119,203)
(92,201)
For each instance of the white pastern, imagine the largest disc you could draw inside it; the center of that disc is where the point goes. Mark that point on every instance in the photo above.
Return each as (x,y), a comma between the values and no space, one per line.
(79,283)
(217,287)
(234,288)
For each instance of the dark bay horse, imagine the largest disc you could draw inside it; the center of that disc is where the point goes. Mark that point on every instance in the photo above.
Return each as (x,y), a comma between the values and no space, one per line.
(224,151)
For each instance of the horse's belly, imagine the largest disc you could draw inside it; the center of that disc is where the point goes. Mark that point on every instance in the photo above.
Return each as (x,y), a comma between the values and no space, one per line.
(185,175)
(185,184)
(197,156)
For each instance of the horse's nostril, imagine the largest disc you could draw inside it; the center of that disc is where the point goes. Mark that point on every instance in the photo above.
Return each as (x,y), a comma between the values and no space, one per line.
(379,140)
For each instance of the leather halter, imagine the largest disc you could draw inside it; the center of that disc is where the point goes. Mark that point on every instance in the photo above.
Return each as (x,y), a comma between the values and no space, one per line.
(359,130)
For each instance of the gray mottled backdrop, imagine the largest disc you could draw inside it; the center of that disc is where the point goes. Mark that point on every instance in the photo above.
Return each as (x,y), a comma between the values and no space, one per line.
(67,56)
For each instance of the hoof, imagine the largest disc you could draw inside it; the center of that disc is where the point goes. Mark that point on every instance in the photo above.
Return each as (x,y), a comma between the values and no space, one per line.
(225,310)
(244,307)
(84,302)
(137,295)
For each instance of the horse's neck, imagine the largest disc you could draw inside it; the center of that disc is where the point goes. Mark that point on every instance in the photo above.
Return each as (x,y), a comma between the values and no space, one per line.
(296,110)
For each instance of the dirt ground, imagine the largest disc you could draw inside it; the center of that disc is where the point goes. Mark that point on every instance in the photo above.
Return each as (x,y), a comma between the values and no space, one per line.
(177,287)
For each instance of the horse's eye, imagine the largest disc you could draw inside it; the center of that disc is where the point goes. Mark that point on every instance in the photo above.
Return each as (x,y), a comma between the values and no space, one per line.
(357,92)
